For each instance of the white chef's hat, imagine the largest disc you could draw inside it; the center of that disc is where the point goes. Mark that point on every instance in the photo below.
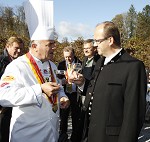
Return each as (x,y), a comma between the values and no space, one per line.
(39,18)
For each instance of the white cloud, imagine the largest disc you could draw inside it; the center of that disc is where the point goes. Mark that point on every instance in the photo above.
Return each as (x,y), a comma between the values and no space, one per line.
(73,31)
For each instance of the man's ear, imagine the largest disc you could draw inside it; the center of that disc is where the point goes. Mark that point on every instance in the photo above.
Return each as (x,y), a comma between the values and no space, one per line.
(111,40)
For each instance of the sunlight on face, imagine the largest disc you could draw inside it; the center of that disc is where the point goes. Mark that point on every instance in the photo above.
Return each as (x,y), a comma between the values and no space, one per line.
(45,49)
(99,35)
(89,49)
(69,57)
(14,50)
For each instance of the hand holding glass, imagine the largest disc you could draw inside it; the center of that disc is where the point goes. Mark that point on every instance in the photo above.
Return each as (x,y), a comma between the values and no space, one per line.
(73,73)
(77,67)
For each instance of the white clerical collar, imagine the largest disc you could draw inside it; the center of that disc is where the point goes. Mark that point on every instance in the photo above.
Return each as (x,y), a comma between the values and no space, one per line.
(108,59)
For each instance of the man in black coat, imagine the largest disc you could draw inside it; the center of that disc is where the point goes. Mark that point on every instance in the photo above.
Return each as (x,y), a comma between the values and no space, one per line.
(11,51)
(116,95)
(89,61)
(88,64)
(73,109)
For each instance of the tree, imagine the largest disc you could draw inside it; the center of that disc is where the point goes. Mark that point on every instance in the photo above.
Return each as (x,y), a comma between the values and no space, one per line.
(131,21)
(8,17)
(143,23)
(78,46)
(20,25)
(119,20)
(134,29)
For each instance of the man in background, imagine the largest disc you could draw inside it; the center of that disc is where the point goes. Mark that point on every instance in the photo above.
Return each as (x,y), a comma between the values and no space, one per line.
(12,50)
(88,65)
(89,62)
(71,92)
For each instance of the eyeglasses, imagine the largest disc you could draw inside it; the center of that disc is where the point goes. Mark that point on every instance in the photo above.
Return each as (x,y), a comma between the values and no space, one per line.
(100,40)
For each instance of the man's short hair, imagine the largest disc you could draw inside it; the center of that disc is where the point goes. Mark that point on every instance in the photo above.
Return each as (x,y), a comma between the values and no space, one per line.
(13,39)
(88,41)
(111,30)
(69,49)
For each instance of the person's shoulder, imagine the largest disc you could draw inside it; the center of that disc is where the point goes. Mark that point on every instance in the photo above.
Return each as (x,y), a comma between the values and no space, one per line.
(3,57)
(84,59)
(4,61)
(133,62)
(96,57)
(62,62)
(77,60)
(17,61)
(127,56)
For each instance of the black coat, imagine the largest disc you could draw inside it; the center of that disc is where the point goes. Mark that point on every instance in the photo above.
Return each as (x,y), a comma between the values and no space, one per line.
(118,107)
(89,75)
(4,61)
(5,114)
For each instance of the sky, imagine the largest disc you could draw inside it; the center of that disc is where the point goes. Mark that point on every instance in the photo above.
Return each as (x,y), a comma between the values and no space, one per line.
(76,18)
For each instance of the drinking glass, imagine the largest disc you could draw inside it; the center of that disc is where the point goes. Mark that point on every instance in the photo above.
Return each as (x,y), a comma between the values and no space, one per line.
(77,67)
(60,74)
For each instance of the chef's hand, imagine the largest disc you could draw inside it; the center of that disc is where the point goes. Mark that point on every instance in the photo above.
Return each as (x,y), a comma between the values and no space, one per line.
(50,88)
(64,102)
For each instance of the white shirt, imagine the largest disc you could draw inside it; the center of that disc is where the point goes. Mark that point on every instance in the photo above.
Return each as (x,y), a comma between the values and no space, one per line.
(108,59)
(73,84)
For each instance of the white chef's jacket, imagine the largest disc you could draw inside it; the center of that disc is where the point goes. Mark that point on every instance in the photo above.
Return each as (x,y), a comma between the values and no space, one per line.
(32,117)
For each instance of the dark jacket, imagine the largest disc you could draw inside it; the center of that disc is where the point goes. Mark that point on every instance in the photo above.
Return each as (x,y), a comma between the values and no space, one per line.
(4,61)
(5,114)
(88,75)
(118,106)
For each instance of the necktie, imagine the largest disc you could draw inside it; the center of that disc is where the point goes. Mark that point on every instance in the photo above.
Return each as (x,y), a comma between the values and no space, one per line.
(69,85)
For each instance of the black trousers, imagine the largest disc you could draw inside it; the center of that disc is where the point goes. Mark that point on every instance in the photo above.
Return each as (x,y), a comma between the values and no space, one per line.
(5,117)
(83,122)
(73,109)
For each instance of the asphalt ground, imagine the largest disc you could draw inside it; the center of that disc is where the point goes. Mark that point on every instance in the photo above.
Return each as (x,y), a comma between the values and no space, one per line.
(144,135)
